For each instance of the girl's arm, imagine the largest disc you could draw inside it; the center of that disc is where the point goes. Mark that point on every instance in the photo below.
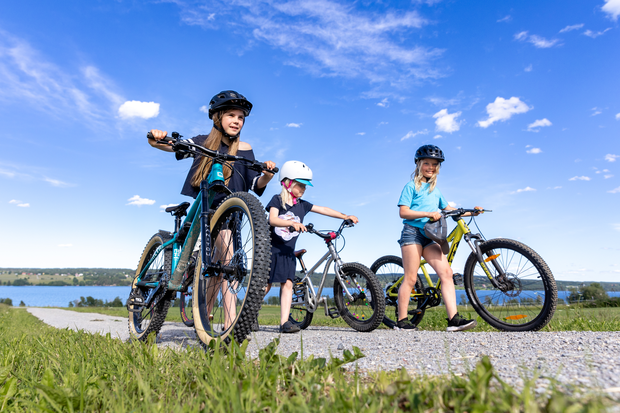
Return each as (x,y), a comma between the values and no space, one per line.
(274,221)
(408,213)
(332,213)
(158,134)
(264,179)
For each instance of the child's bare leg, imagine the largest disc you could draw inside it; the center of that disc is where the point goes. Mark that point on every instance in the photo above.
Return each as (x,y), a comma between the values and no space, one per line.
(286,297)
(436,259)
(411,262)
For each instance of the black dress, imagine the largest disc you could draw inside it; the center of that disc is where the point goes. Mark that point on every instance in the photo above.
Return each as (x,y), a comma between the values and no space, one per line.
(241,180)
(283,241)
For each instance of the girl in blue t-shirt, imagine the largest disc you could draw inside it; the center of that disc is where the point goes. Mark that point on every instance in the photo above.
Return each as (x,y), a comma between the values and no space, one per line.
(287,211)
(419,202)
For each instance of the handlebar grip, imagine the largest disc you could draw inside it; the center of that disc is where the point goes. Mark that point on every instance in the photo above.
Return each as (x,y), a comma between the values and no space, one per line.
(149,135)
(275,170)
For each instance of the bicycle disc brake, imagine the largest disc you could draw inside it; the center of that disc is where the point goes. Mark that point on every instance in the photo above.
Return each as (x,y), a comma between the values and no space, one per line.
(509,284)
(239,262)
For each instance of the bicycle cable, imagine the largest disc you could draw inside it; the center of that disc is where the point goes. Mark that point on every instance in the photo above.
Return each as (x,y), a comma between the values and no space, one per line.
(477,227)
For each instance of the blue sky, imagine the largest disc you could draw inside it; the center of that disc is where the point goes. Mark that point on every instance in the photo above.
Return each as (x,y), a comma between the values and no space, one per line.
(521,96)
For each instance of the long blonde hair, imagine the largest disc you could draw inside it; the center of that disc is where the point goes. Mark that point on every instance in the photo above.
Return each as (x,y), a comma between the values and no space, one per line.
(285,195)
(417,176)
(213,142)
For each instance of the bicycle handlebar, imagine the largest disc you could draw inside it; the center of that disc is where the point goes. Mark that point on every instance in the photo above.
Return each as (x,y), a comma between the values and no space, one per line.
(461,211)
(179,144)
(330,235)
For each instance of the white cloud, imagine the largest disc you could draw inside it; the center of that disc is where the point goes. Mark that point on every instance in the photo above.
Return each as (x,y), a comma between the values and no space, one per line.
(447,122)
(26,205)
(505,19)
(57,183)
(540,123)
(163,207)
(608,176)
(529,68)
(294,125)
(136,200)
(204,109)
(534,150)
(452,204)
(30,76)
(137,109)
(580,178)
(526,189)
(384,103)
(361,133)
(617,116)
(437,137)
(14,201)
(594,35)
(612,8)
(412,134)
(615,191)
(536,40)
(611,157)
(503,109)
(571,28)
(326,37)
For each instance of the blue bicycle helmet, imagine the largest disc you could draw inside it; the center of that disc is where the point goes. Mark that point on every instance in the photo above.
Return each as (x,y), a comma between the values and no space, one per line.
(429,151)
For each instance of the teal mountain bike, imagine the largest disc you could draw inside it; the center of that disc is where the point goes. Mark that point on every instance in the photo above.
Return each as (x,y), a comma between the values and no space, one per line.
(226,275)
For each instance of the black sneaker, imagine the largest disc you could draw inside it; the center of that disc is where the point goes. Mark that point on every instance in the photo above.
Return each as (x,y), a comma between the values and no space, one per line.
(289,327)
(406,325)
(458,323)
(255,326)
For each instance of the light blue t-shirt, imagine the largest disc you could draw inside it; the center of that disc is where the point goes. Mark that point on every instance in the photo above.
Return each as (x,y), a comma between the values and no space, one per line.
(421,201)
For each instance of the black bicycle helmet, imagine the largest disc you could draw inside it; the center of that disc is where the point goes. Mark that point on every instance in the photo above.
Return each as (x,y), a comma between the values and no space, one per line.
(229,99)
(429,151)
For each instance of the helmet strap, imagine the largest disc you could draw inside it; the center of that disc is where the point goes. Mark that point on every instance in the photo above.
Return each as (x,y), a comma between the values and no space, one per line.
(289,190)
(221,130)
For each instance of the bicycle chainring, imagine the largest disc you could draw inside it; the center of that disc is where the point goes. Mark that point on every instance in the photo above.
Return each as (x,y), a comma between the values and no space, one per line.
(433,295)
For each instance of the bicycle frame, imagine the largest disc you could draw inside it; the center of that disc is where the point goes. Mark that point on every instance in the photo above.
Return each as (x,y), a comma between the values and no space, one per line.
(182,249)
(454,238)
(331,256)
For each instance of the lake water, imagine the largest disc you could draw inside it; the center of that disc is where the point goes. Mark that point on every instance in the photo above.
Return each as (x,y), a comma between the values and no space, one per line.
(45,296)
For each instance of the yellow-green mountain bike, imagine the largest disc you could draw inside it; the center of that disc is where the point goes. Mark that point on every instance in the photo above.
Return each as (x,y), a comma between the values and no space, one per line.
(507,283)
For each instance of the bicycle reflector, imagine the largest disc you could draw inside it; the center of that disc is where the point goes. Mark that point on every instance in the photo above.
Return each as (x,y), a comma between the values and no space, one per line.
(492,257)
(515,317)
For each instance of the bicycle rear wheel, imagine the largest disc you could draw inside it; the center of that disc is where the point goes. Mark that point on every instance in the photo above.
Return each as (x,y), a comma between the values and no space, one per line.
(300,316)
(367,309)
(185,299)
(147,319)
(389,270)
(227,303)
(527,294)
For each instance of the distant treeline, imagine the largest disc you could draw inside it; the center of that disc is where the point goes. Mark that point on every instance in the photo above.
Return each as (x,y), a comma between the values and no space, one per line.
(66,276)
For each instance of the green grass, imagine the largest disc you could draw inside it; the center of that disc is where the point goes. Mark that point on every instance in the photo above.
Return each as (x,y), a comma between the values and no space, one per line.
(51,370)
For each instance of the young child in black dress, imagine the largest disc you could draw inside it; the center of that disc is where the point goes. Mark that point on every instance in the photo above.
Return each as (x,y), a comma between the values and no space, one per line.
(285,211)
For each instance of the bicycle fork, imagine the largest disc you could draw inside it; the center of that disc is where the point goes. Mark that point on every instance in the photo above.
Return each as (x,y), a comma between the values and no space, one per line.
(491,257)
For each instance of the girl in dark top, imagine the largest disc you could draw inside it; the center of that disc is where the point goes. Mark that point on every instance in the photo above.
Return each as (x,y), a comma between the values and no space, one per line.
(285,211)
(228,110)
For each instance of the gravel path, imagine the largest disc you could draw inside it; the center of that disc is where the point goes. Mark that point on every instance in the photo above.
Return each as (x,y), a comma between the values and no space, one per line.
(584,359)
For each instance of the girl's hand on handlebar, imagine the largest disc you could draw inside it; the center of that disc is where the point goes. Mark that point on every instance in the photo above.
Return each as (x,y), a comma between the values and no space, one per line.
(352,218)
(478,213)
(299,227)
(269,165)
(434,216)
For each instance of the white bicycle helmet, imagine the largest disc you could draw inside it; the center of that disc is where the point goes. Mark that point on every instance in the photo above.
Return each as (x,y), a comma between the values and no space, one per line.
(298,171)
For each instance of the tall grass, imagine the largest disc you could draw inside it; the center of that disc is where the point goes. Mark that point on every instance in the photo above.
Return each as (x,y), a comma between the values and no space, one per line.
(45,369)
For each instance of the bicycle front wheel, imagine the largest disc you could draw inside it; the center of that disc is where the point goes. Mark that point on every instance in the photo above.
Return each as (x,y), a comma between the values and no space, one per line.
(389,271)
(526,296)
(300,316)
(154,265)
(227,302)
(366,310)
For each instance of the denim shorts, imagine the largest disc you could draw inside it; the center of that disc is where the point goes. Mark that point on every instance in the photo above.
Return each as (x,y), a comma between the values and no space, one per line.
(413,235)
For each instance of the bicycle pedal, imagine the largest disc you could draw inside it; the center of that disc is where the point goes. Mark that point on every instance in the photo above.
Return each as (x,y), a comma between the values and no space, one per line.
(333,312)
(457,278)
(417,311)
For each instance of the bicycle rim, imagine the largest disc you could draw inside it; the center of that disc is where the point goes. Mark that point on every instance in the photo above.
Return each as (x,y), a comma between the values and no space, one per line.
(150,318)
(527,296)
(366,310)
(226,304)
